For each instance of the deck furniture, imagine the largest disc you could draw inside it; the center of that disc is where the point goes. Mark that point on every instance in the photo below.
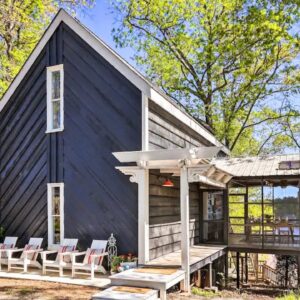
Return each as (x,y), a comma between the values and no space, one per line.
(93,259)
(62,259)
(127,293)
(280,229)
(28,257)
(8,243)
(155,278)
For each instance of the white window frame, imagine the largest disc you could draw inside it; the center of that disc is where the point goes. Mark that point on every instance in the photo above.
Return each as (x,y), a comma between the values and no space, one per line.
(50,70)
(50,187)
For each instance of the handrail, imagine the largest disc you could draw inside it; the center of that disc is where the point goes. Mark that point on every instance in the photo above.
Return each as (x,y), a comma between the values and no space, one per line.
(270,274)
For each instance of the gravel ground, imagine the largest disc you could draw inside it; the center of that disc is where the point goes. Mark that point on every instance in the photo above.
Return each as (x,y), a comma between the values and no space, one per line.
(12,289)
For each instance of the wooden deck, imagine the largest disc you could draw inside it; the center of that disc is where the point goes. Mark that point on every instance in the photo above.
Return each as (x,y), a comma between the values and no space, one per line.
(200,255)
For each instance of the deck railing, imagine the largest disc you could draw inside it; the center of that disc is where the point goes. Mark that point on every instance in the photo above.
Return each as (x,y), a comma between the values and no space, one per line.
(269,275)
(283,235)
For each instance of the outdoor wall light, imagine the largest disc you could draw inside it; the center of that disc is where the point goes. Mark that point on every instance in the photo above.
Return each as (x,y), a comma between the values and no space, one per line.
(168,183)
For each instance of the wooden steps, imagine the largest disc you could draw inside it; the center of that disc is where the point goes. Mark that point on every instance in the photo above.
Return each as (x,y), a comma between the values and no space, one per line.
(125,292)
(142,283)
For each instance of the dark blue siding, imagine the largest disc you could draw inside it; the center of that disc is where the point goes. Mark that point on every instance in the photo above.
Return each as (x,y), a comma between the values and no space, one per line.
(102,115)
(23,157)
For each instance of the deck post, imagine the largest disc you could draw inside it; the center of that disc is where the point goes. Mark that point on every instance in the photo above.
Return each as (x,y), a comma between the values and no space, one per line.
(226,268)
(143,216)
(210,275)
(185,226)
(298,262)
(238,270)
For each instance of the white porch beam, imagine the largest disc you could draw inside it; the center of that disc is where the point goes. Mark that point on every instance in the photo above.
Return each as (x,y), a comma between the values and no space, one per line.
(141,177)
(185,224)
(177,154)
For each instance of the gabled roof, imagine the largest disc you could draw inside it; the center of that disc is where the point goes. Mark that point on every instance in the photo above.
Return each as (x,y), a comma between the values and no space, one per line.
(143,84)
(261,166)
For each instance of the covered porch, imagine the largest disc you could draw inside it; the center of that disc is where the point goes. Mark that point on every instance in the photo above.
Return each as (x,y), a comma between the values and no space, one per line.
(264,203)
(173,220)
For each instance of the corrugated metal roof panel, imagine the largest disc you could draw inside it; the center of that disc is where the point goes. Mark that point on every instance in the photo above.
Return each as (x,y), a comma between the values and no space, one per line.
(258,165)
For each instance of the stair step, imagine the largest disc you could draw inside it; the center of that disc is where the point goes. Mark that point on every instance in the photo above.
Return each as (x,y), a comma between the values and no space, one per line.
(126,293)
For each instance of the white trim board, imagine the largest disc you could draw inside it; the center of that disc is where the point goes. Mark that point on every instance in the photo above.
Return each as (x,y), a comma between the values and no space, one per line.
(136,78)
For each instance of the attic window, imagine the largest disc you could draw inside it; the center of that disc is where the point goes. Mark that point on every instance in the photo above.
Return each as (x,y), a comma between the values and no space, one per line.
(55,98)
(289,165)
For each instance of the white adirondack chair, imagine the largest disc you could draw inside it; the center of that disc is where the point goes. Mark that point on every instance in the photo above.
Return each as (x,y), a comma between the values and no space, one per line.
(62,259)
(9,243)
(92,261)
(28,257)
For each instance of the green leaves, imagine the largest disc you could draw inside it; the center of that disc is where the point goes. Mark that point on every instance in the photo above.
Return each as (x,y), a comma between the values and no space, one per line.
(224,60)
(22,22)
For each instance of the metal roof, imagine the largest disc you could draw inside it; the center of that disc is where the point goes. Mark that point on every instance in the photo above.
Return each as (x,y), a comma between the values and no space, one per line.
(259,166)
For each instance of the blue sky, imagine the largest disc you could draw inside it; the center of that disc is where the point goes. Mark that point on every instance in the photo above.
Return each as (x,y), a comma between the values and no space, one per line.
(100,20)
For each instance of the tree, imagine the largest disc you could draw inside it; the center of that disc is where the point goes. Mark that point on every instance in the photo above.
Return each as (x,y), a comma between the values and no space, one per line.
(287,269)
(232,64)
(22,23)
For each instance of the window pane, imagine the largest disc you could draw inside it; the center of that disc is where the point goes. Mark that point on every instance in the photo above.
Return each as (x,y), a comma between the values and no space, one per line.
(56,114)
(56,201)
(56,85)
(56,230)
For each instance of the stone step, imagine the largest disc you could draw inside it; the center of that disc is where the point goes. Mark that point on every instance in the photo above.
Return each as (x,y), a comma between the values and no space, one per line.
(126,293)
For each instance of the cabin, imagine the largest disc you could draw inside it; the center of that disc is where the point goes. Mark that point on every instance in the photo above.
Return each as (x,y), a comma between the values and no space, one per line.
(90,147)
(74,103)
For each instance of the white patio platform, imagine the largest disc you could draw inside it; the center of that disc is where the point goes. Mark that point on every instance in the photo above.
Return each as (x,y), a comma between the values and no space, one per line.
(200,255)
(101,281)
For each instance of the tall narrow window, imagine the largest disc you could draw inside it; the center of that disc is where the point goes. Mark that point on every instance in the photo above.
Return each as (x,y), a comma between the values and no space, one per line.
(55,98)
(55,213)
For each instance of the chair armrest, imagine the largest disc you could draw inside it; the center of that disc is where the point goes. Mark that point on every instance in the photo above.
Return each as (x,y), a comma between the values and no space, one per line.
(74,255)
(62,254)
(45,253)
(94,256)
(99,255)
(33,250)
(68,253)
(9,249)
(78,253)
(15,250)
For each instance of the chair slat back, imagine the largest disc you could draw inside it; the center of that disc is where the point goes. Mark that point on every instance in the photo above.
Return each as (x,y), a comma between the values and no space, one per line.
(36,242)
(70,242)
(99,244)
(10,240)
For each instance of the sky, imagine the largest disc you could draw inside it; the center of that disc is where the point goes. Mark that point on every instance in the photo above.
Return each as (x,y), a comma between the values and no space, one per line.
(100,21)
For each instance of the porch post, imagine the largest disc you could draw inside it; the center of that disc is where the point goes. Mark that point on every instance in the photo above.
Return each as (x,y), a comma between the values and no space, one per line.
(143,216)
(210,275)
(185,226)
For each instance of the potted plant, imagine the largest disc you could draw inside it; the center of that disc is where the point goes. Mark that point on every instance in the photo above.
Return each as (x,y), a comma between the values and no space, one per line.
(122,263)
(128,261)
